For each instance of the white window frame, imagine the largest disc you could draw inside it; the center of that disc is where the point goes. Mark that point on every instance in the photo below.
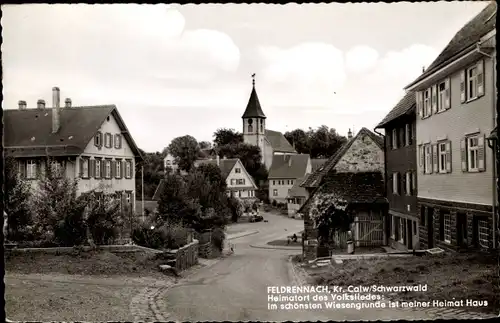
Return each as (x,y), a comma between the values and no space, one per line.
(447,227)
(118,168)
(473,154)
(395,183)
(441,96)
(31,169)
(85,168)
(427,158)
(427,103)
(275,192)
(128,169)
(98,165)
(394,138)
(107,168)
(108,140)
(442,157)
(117,141)
(471,83)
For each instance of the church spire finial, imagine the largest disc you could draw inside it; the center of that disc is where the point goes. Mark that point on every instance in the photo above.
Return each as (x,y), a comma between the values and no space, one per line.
(253,79)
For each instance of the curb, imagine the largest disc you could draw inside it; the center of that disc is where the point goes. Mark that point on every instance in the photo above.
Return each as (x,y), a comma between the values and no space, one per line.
(276,248)
(243,234)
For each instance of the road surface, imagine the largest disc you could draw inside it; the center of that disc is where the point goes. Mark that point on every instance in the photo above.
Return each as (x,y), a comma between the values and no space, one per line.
(235,288)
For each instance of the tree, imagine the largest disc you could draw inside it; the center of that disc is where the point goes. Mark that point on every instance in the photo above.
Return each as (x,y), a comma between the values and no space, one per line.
(17,201)
(59,214)
(174,204)
(225,136)
(186,150)
(205,145)
(320,143)
(299,138)
(153,174)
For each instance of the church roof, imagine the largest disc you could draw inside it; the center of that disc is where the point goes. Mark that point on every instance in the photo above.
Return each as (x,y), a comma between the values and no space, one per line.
(279,142)
(253,107)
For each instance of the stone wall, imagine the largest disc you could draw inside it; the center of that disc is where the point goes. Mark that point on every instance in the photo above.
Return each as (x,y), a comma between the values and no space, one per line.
(186,256)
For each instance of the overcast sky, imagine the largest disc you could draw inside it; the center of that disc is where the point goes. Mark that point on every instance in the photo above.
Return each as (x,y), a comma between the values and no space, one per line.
(177,70)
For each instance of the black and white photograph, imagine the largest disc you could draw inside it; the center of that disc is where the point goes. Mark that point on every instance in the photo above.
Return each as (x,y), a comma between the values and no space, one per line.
(250,162)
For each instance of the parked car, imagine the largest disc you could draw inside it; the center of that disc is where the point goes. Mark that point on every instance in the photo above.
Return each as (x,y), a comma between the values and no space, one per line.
(256,218)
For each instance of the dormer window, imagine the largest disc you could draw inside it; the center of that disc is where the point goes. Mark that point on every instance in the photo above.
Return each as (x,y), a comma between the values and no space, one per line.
(98,139)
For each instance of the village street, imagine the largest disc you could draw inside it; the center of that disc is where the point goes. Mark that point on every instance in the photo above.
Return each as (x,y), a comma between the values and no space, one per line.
(235,288)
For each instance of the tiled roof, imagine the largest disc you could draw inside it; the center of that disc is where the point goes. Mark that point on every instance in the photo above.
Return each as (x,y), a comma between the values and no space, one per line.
(406,105)
(253,107)
(28,133)
(225,165)
(297,190)
(279,142)
(315,179)
(317,163)
(288,166)
(355,188)
(470,34)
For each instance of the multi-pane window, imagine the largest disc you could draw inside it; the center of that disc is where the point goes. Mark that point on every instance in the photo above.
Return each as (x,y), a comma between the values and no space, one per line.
(408,182)
(128,169)
(472,83)
(472,153)
(427,159)
(442,157)
(97,168)
(441,88)
(118,141)
(98,139)
(30,169)
(118,168)
(85,167)
(408,134)
(275,192)
(107,170)
(427,103)
(447,228)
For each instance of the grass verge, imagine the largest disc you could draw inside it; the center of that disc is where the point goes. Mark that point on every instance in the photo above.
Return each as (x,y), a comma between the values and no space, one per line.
(448,276)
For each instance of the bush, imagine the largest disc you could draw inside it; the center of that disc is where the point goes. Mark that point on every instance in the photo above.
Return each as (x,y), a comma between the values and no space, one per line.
(218,238)
(168,236)
(236,208)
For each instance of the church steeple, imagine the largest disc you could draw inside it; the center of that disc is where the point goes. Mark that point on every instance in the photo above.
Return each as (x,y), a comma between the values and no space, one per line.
(253,110)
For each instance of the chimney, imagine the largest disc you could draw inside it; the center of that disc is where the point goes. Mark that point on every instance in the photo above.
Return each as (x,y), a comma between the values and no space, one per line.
(67,103)
(40,104)
(349,134)
(218,160)
(56,110)
(22,105)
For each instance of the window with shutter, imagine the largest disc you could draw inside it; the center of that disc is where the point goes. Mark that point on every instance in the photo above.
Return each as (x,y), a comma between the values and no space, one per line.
(481,160)
(435,167)
(113,169)
(419,102)
(441,151)
(428,159)
(472,84)
(97,169)
(81,167)
(394,138)
(118,168)
(395,182)
(408,183)
(448,156)
(92,168)
(421,156)
(413,183)
(463,154)
(480,78)
(434,99)
(427,103)
(473,153)
(441,93)
(408,135)
(462,87)
(447,94)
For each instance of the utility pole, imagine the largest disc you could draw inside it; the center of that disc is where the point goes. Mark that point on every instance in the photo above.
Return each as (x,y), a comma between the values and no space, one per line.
(142,191)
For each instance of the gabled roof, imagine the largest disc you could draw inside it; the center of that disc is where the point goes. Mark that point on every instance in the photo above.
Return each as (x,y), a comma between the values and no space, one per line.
(278,141)
(406,105)
(253,107)
(354,188)
(467,36)
(297,190)
(28,133)
(315,179)
(292,166)
(225,165)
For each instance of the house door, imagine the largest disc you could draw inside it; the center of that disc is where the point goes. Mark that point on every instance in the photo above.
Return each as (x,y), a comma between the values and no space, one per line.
(409,234)
(462,230)
(430,228)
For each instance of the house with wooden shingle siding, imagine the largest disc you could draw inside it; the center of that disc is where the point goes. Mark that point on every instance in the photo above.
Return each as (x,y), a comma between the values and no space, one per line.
(285,171)
(255,133)
(239,182)
(88,143)
(456,110)
(400,170)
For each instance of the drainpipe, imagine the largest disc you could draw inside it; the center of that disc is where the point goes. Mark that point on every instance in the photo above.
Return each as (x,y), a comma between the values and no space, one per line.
(387,234)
